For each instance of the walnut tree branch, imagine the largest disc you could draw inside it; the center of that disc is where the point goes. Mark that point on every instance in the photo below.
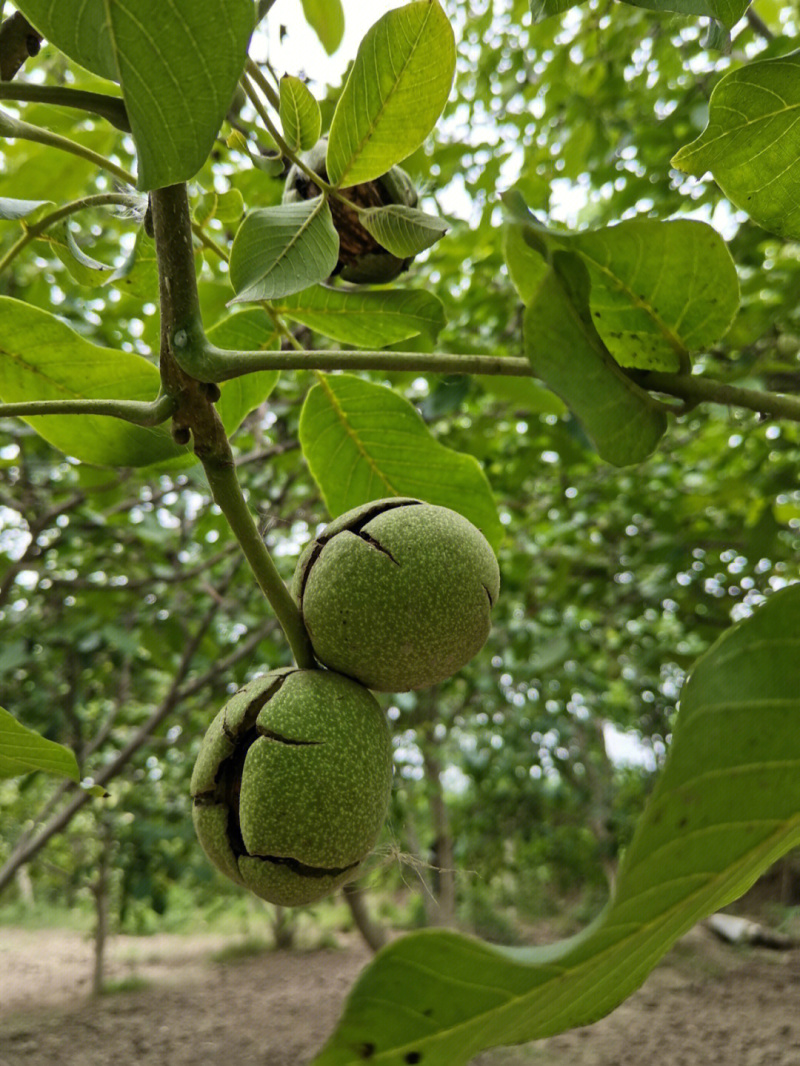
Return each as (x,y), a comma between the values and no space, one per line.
(19,41)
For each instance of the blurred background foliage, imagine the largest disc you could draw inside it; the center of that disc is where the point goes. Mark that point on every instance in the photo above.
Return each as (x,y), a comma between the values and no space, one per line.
(518,782)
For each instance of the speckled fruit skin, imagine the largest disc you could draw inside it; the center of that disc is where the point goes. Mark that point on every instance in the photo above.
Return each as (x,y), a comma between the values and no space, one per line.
(291,784)
(397,593)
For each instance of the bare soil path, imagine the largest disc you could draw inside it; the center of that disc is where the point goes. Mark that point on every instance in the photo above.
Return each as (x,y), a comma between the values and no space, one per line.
(706,1004)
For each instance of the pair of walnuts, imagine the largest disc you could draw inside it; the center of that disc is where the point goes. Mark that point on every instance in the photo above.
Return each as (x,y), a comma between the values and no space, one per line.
(292,782)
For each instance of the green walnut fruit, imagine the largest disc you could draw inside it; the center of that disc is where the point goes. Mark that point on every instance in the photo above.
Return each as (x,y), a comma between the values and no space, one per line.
(291,784)
(361,258)
(397,594)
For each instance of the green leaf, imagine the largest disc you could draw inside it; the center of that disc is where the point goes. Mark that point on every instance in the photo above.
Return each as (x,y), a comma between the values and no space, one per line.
(370,319)
(363,442)
(545,9)
(82,268)
(524,393)
(41,358)
(727,806)
(395,93)
(138,274)
(13,210)
(223,206)
(326,19)
(281,250)
(526,266)
(403,231)
(752,142)
(728,12)
(178,65)
(301,117)
(660,290)
(250,330)
(622,420)
(22,750)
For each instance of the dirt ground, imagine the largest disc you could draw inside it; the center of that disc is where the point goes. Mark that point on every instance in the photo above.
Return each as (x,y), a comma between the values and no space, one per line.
(706,1004)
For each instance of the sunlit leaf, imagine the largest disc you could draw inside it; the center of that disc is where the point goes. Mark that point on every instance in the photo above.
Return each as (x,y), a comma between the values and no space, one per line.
(300,114)
(363,442)
(752,142)
(395,92)
(326,18)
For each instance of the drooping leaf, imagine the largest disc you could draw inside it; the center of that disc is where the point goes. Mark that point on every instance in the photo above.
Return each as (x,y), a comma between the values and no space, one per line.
(41,358)
(301,117)
(22,750)
(363,442)
(326,19)
(660,290)
(727,806)
(82,267)
(178,65)
(752,142)
(622,420)
(401,230)
(526,266)
(395,93)
(281,250)
(14,210)
(250,330)
(369,319)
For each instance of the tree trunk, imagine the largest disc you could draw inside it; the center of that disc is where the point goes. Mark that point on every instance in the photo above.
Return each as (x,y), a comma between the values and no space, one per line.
(283,929)
(443,861)
(373,933)
(100,892)
(421,869)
